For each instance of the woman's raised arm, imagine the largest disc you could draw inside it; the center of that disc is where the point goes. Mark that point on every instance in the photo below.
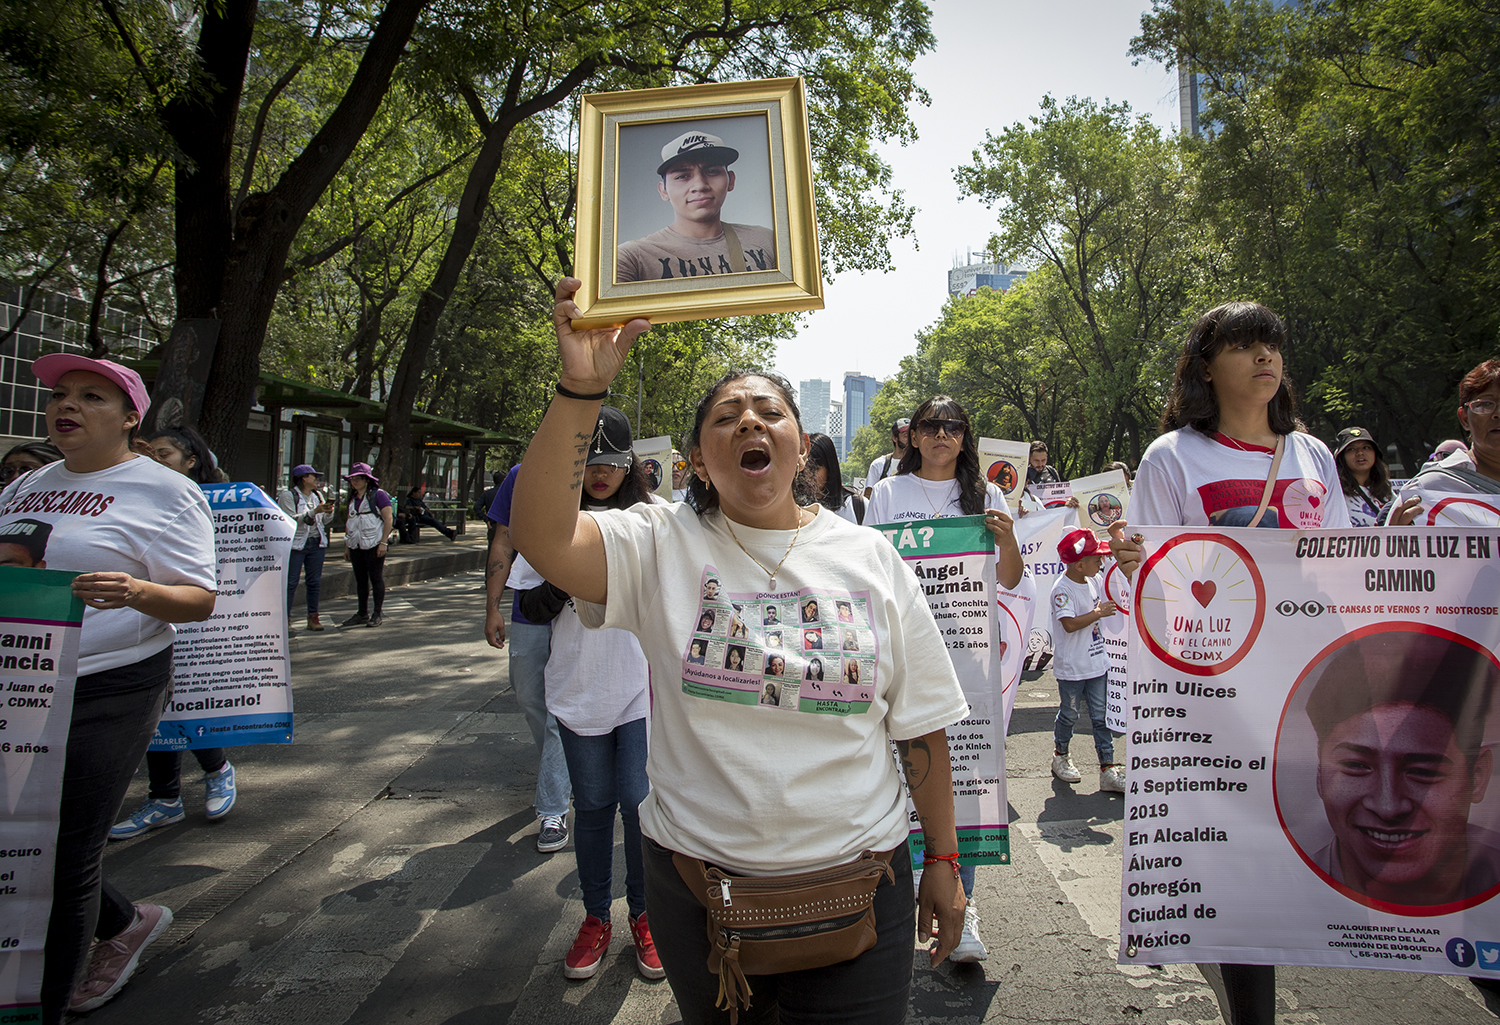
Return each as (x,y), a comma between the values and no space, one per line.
(545,525)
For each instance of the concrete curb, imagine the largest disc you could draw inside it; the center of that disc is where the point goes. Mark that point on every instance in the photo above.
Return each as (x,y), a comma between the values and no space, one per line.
(406,564)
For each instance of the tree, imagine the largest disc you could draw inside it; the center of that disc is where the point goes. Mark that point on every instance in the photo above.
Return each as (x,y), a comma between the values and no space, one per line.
(1100,199)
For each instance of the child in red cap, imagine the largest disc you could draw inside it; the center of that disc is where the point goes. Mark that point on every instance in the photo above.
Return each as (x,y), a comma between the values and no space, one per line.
(1079,661)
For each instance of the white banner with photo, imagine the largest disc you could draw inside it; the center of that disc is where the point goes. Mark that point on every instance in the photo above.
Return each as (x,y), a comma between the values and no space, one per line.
(1102,499)
(1003,464)
(40,623)
(1312,726)
(655,455)
(231,673)
(1037,534)
(1448,509)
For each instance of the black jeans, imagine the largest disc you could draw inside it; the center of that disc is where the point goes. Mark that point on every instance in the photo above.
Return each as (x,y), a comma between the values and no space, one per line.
(872,989)
(369,572)
(114,715)
(165,769)
(1246,992)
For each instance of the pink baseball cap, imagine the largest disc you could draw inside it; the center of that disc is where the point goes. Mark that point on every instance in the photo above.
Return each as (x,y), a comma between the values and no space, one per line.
(49,368)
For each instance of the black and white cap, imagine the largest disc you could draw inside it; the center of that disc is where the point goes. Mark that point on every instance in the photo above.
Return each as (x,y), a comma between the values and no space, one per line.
(699,148)
(611,443)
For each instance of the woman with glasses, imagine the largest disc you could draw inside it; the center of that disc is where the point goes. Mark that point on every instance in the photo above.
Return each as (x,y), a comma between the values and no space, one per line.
(1475,471)
(25,457)
(939,476)
(1229,412)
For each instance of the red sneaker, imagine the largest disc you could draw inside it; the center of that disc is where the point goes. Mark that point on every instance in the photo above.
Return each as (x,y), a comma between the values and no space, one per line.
(588,949)
(645,949)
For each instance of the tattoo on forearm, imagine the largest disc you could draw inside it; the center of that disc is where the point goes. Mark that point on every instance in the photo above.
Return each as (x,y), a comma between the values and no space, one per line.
(581,462)
(916,760)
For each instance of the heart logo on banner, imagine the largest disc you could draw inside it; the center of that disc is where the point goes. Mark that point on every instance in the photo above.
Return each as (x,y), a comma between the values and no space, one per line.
(1204,591)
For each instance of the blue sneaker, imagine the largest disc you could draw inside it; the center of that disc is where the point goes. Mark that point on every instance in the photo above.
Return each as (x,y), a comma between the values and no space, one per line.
(220,792)
(151,815)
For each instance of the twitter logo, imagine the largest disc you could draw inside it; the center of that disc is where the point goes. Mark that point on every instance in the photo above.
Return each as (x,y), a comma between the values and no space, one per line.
(1489,956)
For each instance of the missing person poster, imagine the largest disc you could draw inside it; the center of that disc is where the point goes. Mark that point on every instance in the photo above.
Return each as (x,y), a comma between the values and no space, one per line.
(1004,465)
(231,681)
(1448,509)
(1051,495)
(954,559)
(1037,534)
(40,621)
(1312,724)
(655,455)
(1102,499)
(1116,630)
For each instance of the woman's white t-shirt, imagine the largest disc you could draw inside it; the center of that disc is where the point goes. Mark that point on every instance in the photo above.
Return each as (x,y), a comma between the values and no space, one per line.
(135,517)
(909,497)
(1364,511)
(808,781)
(1188,479)
(595,679)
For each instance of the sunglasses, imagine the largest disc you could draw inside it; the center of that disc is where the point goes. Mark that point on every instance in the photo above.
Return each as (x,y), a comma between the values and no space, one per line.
(930,427)
(681,464)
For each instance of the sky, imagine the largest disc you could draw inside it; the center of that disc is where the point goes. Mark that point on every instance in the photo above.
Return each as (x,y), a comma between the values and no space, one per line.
(994,60)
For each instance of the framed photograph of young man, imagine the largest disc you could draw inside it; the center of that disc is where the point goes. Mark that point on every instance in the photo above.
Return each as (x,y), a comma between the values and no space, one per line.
(696,202)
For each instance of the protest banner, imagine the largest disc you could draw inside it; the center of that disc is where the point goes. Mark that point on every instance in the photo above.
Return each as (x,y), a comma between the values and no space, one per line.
(1116,630)
(1004,465)
(1311,736)
(1037,534)
(40,622)
(1017,610)
(1053,494)
(1452,509)
(1102,499)
(231,680)
(954,559)
(655,455)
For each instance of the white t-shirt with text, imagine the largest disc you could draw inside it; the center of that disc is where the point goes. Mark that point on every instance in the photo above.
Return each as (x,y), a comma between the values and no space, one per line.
(135,517)
(909,497)
(1078,655)
(772,712)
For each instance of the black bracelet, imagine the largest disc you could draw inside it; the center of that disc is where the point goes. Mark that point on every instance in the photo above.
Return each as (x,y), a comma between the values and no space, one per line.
(565,393)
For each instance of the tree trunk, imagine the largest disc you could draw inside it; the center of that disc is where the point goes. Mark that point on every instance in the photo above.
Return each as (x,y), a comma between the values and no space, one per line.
(234,270)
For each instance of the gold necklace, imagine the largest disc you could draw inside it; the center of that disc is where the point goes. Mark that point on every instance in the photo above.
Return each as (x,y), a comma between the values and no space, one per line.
(770,572)
(928,498)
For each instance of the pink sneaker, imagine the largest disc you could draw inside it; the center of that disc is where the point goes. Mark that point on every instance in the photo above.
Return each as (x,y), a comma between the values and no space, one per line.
(645,949)
(588,949)
(112,962)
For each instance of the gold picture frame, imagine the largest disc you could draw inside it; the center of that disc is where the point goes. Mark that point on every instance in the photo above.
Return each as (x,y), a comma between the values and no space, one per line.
(766,263)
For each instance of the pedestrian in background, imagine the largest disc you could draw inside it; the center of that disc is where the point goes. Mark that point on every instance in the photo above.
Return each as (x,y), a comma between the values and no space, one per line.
(311,509)
(825,482)
(184,450)
(885,466)
(1363,475)
(1037,470)
(414,515)
(25,457)
(367,532)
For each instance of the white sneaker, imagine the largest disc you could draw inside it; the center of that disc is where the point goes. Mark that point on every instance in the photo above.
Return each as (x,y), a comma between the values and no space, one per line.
(1064,769)
(970,947)
(1112,779)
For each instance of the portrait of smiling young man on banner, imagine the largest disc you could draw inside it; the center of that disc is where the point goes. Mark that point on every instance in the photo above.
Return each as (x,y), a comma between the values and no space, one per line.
(1400,719)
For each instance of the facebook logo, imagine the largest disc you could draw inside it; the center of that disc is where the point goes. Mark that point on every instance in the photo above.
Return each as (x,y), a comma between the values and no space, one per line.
(1460,951)
(1489,956)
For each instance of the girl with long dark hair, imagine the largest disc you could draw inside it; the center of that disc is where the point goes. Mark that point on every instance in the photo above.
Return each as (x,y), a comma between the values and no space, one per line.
(752,789)
(1363,474)
(823,479)
(1230,411)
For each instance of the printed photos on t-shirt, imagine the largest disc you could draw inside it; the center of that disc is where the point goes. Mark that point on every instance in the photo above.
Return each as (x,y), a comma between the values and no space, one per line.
(798,650)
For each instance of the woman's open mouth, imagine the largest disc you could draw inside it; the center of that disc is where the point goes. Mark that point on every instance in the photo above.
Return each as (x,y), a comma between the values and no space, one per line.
(755,460)
(65,425)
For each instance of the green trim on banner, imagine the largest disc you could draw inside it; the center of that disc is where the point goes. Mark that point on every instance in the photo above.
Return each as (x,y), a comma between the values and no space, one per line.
(978,845)
(734,697)
(951,535)
(39,594)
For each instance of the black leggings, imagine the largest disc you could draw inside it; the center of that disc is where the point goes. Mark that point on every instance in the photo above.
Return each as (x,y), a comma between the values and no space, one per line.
(369,572)
(165,769)
(114,716)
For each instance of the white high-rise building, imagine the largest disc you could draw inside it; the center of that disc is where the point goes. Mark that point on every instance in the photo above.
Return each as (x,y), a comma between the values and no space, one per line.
(835,429)
(813,397)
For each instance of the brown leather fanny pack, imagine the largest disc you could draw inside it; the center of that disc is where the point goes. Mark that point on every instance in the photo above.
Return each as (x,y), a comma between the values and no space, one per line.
(763,925)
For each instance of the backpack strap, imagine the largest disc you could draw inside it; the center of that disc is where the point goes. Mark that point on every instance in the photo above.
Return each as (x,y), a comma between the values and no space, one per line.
(736,251)
(1265,496)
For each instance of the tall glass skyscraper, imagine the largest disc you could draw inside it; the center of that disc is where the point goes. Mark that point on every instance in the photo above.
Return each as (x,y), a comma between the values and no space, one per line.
(859,396)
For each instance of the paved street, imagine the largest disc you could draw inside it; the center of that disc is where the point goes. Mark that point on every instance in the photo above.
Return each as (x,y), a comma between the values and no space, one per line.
(383,870)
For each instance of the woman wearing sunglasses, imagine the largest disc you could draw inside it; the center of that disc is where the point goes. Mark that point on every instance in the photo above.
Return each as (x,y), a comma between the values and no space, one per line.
(939,476)
(1476,471)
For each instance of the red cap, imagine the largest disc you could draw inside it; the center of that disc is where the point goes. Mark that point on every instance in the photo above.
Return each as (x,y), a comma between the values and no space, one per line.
(1078,544)
(49,368)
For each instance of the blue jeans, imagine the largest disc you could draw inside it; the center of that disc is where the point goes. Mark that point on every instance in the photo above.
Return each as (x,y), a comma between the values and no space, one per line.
(530,647)
(1073,693)
(608,771)
(309,559)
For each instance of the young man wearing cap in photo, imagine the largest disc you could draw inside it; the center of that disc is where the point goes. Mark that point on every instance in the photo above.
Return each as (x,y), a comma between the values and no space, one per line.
(885,466)
(695,180)
(1080,662)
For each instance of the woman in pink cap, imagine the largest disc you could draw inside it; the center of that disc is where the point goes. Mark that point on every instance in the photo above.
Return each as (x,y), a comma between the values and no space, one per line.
(140,538)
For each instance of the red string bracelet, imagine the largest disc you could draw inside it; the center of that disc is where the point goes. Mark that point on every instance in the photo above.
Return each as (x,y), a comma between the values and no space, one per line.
(932,859)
